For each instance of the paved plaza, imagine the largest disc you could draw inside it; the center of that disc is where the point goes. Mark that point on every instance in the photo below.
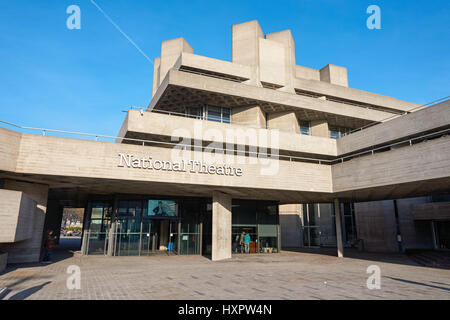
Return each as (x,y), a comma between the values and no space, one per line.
(288,275)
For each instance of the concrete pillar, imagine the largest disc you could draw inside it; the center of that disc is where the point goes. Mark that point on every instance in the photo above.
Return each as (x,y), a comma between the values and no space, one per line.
(319,128)
(283,121)
(291,225)
(156,80)
(29,250)
(245,47)
(221,226)
(334,75)
(170,52)
(337,214)
(285,38)
(249,116)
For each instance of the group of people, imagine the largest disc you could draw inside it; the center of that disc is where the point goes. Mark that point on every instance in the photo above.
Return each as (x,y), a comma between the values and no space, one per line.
(243,240)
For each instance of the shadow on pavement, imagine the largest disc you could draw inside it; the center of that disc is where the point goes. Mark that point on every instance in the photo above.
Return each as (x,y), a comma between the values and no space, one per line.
(22,295)
(397,258)
(64,250)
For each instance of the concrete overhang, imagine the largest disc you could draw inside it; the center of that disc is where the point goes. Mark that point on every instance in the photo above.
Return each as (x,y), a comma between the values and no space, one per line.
(212,67)
(353,95)
(167,128)
(417,170)
(180,89)
(93,167)
(429,119)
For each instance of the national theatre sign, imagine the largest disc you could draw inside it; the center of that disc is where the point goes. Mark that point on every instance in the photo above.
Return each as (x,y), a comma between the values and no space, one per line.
(192,166)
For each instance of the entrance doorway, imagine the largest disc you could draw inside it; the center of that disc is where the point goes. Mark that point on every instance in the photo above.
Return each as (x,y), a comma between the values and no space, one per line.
(166,235)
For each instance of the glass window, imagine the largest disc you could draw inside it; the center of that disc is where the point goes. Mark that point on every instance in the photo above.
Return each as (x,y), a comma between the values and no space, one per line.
(194,112)
(254,226)
(218,114)
(337,132)
(226,115)
(304,127)
(214,114)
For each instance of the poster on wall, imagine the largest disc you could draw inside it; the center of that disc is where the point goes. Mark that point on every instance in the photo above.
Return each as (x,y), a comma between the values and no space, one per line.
(162,208)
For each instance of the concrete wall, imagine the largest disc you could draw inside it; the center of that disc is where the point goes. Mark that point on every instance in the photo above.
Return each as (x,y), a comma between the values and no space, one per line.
(319,128)
(307,73)
(156,71)
(9,149)
(375,224)
(3,261)
(46,155)
(245,47)
(16,216)
(414,123)
(431,211)
(157,124)
(334,75)
(415,234)
(170,52)
(252,117)
(287,57)
(283,121)
(430,159)
(377,227)
(291,226)
(29,250)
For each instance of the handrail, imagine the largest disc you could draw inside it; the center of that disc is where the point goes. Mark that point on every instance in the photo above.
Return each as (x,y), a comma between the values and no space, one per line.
(244,152)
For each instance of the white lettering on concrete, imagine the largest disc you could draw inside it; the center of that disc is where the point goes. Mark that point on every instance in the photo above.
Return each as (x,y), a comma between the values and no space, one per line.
(193,166)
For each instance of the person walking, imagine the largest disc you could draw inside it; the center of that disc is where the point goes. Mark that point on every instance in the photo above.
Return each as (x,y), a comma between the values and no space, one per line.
(247,240)
(241,242)
(49,244)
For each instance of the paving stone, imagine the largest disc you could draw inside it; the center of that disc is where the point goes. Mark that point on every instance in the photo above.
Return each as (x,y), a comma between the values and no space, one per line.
(287,275)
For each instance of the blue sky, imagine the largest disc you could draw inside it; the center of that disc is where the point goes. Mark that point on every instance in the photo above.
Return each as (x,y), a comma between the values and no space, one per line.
(81,80)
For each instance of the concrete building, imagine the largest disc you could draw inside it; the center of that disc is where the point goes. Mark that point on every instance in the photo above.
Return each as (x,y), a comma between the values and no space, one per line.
(248,155)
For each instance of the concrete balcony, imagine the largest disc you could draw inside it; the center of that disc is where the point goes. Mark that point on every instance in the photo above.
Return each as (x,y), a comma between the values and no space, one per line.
(16,216)
(161,127)
(418,123)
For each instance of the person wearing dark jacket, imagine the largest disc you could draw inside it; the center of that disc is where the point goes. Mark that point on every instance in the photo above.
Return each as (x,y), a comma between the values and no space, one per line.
(49,244)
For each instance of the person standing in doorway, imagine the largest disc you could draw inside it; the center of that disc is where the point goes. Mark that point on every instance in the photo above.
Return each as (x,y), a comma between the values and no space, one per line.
(247,243)
(49,244)
(241,241)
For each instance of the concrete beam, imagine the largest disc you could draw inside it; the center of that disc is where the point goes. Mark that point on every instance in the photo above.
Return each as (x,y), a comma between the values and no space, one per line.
(221,226)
